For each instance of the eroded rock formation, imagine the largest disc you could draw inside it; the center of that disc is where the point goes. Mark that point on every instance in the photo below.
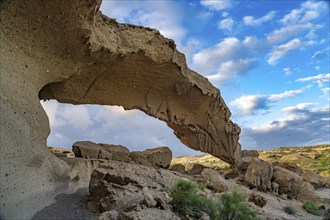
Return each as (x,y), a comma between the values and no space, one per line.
(69,51)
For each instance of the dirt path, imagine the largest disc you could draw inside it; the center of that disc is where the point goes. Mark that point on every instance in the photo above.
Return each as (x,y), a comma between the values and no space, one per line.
(68,207)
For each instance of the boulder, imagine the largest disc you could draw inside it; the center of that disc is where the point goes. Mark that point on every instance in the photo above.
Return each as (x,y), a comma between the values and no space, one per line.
(258,175)
(289,166)
(293,185)
(139,158)
(247,157)
(159,157)
(313,178)
(180,168)
(87,149)
(250,153)
(117,152)
(288,181)
(75,54)
(307,192)
(194,168)
(213,180)
(121,186)
(257,199)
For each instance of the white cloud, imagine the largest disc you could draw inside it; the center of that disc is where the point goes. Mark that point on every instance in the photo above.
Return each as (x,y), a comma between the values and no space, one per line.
(279,51)
(287,71)
(226,24)
(225,14)
(51,108)
(227,59)
(287,32)
(231,69)
(298,21)
(299,107)
(250,104)
(321,54)
(216,4)
(165,16)
(308,11)
(251,21)
(320,79)
(286,94)
(301,127)
(247,104)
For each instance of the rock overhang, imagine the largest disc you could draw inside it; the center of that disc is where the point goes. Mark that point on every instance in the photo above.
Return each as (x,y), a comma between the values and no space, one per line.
(70,52)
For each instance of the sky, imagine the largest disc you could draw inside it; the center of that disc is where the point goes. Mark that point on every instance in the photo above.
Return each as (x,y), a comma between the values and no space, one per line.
(270,60)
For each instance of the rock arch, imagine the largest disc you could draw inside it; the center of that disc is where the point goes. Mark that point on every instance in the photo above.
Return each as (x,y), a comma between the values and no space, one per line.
(69,51)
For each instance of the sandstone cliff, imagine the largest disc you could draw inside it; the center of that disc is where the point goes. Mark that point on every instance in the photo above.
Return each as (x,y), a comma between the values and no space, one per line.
(69,51)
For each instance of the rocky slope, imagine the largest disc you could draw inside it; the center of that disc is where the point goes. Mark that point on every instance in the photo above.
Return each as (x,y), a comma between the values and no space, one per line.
(123,188)
(314,158)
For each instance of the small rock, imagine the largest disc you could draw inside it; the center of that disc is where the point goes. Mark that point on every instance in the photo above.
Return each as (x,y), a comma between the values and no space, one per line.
(195,169)
(257,199)
(180,168)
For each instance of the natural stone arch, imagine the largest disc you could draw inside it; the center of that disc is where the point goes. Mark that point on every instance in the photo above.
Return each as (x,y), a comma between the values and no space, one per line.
(69,51)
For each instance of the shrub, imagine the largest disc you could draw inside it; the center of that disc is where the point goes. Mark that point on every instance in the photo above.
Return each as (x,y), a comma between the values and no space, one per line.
(290,210)
(234,207)
(187,200)
(310,207)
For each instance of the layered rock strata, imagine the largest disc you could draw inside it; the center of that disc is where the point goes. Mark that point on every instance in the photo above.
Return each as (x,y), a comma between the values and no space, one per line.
(69,51)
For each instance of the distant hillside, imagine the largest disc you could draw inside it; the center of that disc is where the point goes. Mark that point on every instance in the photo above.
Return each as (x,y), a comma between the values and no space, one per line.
(315,158)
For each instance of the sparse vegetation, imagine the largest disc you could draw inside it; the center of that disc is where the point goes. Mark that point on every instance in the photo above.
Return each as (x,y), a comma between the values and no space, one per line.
(187,201)
(233,206)
(310,207)
(290,210)
(314,158)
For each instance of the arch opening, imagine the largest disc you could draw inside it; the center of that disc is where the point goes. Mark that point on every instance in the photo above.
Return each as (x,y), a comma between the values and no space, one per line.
(109,125)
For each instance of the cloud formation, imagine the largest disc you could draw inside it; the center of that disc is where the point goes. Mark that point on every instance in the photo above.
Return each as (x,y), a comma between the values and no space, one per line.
(320,79)
(226,24)
(251,21)
(216,4)
(279,51)
(227,59)
(251,104)
(302,126)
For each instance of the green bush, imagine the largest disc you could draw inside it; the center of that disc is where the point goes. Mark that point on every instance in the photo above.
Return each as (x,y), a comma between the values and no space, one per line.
(187,200)
(290,210)
(310,207)
(234,207)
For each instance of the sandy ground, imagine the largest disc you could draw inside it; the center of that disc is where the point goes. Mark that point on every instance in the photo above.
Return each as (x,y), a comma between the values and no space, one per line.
(68,207)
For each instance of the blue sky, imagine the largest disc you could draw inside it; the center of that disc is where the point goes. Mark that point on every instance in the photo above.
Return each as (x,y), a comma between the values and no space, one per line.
(270,60)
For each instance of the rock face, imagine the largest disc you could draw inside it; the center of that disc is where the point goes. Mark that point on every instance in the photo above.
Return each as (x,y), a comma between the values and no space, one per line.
(313,178)
(159,157)
(258,175)
(180,168)
(247,157)
(69,51)
(88,149)
(194,168)
(293,185)
(215,181)
(125,187)
(289,166)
